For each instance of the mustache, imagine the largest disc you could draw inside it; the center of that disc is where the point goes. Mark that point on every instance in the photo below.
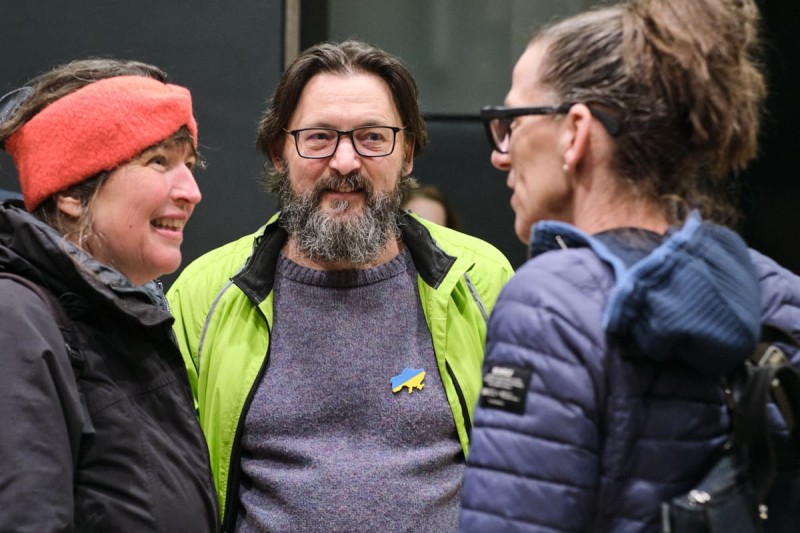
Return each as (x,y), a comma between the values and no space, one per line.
(354,181)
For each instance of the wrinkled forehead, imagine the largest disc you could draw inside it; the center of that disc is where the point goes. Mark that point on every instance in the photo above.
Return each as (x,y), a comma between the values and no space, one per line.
(345,99)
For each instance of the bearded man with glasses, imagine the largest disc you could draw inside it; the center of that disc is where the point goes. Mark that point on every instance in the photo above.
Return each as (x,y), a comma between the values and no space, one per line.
(336,353)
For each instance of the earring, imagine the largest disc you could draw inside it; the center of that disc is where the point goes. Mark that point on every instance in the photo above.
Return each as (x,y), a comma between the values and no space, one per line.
(565,167)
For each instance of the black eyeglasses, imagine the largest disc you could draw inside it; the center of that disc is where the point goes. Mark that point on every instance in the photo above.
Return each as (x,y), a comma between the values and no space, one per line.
(497,121)
(368,141)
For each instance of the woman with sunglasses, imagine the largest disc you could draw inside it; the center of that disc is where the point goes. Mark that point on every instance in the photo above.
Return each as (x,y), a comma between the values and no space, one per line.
(99,428)
(623,128)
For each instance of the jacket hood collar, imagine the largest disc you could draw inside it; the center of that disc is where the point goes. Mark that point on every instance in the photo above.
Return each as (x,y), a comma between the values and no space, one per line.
(33,249)
(695,297)
(257,277)
(431,261)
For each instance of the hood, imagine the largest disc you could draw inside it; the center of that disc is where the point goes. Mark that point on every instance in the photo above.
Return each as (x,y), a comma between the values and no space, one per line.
(694,298)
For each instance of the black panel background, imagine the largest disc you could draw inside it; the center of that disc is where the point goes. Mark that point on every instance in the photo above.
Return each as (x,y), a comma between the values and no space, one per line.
(229,55)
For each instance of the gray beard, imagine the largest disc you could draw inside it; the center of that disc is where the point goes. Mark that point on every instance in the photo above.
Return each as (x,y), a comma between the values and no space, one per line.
(326,238)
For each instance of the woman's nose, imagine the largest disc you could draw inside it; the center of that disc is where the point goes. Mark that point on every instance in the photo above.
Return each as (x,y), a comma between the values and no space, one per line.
(501,161)
(186,187)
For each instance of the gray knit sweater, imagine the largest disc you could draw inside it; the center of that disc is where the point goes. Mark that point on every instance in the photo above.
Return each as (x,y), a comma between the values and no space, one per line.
(328,445)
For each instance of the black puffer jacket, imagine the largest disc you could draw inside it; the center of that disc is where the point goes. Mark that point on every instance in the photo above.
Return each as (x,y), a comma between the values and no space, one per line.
(141,462)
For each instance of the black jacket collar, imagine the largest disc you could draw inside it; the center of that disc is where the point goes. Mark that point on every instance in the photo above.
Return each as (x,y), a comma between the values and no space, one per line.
(257,277)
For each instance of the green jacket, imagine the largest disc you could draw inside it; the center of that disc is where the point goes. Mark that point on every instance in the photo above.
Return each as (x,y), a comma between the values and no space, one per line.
(222,304)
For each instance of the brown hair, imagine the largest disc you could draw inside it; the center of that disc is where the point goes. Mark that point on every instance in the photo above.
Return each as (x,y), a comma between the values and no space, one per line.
(684,78)
(342,58)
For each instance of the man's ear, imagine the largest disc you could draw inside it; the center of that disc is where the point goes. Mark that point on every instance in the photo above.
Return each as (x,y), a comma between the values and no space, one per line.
(69,205)
(277,160)
(576,137)
(408,163)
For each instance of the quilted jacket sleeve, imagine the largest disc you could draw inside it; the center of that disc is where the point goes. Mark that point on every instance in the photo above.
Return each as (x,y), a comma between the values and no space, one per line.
(538,470)
(780,296)
(41,415)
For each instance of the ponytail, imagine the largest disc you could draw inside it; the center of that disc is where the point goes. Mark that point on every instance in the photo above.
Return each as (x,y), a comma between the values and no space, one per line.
(684,79)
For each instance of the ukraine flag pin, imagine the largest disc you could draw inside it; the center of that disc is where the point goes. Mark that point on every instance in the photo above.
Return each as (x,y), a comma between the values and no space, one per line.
(409,377)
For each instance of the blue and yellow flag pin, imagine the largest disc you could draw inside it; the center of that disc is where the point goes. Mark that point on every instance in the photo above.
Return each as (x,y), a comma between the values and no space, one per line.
(409,377)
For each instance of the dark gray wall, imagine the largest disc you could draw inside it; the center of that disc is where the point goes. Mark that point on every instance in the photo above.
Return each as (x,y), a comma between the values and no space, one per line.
(229,54)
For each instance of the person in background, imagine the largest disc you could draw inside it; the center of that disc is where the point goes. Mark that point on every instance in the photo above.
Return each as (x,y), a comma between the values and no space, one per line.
(429,202)
(100,429)
(336,352)
(601,395)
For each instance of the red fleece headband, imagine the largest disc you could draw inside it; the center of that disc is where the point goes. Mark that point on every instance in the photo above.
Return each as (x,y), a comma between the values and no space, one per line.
(96,128)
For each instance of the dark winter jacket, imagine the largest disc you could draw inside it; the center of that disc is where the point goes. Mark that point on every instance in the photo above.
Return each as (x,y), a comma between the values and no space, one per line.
(619,407)
(121,449)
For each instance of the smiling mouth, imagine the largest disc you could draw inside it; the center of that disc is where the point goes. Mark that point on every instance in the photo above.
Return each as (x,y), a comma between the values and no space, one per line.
(171,224)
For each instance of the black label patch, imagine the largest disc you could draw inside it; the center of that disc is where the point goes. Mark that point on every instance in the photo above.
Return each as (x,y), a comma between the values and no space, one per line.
(504,387)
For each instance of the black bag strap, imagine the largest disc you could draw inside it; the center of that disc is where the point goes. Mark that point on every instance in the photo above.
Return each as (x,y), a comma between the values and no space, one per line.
(768,377)
(770,334)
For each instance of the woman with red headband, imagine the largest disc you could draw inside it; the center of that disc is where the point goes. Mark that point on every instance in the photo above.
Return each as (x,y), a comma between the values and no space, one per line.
(99,430)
